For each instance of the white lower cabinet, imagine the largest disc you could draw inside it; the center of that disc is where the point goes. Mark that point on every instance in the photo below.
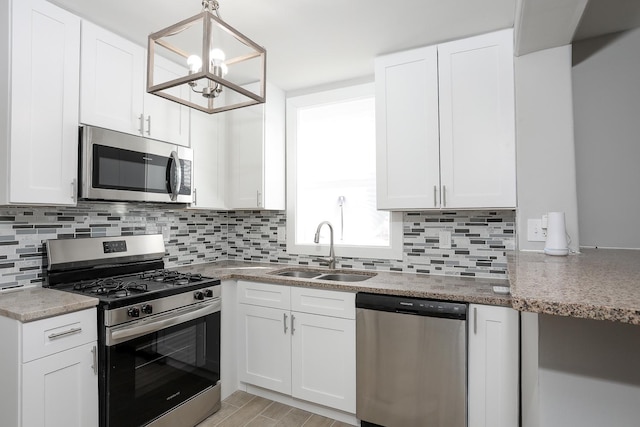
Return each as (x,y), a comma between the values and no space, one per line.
(323,360)
(299,342)
(49,371)
(265,347)
(61,389)
(493,377)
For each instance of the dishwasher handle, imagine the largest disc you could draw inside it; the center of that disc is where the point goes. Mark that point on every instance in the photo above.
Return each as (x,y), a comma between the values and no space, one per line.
(412,306)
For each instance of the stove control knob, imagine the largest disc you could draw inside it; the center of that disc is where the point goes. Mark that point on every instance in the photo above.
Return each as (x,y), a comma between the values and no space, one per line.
(146,309)
(208,293)
(198,295)
(133,312)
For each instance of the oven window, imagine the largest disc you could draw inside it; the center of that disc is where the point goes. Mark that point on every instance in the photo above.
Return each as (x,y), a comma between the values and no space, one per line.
(150,375)
(118,169)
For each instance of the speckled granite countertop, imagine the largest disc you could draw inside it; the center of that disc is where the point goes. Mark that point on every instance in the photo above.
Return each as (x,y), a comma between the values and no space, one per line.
(602,284)
(596,284)
(450,288)
(37,303)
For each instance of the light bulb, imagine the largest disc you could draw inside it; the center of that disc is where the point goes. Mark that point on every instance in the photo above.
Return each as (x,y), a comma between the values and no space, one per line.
(195,63)
(224,69)
(217,56)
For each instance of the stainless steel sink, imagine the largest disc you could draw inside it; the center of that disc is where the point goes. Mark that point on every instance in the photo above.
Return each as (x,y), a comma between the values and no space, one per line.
(305,274)
(336,276)
(344,277)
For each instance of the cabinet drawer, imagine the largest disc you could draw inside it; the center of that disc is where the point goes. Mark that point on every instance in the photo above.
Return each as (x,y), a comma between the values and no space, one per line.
(48,336)
(323,302)
(264,294)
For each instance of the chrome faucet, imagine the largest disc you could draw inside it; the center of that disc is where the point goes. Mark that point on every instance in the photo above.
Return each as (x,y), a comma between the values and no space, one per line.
(316,239)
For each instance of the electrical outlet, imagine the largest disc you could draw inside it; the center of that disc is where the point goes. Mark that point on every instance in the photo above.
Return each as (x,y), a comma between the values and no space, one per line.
(444,239)
(535,232)
(281,234)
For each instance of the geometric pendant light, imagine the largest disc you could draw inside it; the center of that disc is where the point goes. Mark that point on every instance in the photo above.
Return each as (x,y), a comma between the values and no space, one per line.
(218,62)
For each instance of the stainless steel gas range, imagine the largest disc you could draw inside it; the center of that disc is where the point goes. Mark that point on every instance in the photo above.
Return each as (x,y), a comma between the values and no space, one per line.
(158,330)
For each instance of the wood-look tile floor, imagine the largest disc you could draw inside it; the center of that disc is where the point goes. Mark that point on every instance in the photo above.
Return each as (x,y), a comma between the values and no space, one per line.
(243,409)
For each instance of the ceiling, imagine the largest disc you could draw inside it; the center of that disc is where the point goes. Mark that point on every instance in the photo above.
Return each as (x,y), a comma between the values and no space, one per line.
(608,16)
(312,43)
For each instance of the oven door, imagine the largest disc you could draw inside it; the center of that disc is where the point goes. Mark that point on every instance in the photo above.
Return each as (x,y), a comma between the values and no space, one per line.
(150,371)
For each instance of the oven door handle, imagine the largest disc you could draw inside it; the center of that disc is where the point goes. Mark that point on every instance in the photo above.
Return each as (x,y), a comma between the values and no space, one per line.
(134,331)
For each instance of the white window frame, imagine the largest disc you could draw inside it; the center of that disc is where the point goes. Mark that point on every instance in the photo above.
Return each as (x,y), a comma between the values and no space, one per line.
(394,251)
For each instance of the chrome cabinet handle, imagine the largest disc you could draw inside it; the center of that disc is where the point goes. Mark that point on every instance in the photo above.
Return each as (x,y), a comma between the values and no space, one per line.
(94,351)
(175,176)
(284,318)
(293,318)
(141,120)
(65,333)
(258,198)
(195,197)
(435,196)
(444,196)
(475,320)
(74,189)
(148,125)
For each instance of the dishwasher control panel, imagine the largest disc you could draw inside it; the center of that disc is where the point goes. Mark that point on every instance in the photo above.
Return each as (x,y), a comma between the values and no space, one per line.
(409,305)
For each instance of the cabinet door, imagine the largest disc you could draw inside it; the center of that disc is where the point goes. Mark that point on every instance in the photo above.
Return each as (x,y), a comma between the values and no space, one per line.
(257,154)
(477,124)
(407,152)
(324,360)
(45,60)
(164,119)
(112,81)
(209,169)
(264,347)
(61,389)
(493,366)
(246,131)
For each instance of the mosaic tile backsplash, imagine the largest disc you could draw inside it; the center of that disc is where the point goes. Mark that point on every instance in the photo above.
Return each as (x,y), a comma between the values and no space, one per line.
(480,240)
(190,236)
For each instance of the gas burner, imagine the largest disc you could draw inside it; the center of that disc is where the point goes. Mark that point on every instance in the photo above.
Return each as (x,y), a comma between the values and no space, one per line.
(170,277)
(100,283)
(119,289)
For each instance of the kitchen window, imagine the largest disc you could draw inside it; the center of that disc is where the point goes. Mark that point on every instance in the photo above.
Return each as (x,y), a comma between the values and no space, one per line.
(331,167)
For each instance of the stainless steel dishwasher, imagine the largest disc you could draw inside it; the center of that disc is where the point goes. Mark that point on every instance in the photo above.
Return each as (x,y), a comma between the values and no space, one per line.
(411,362)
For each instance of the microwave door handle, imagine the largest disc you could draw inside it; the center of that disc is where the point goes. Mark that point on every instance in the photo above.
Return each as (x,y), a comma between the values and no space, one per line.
(176,176)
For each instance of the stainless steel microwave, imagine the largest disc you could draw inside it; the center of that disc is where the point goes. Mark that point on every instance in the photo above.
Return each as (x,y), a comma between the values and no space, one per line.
(123,167)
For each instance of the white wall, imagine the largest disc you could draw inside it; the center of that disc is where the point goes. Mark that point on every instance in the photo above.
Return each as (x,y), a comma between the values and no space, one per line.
(589,373)
(606,93)
(545,148)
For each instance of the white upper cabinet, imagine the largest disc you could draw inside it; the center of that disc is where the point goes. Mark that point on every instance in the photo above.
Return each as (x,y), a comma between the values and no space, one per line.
(477,122)
(39,74)
(113,91)
(256,146)
(210,160)
(408,152)
(445,125)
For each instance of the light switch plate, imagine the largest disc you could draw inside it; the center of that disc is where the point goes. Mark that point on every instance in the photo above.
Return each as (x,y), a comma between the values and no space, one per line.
(444,239)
